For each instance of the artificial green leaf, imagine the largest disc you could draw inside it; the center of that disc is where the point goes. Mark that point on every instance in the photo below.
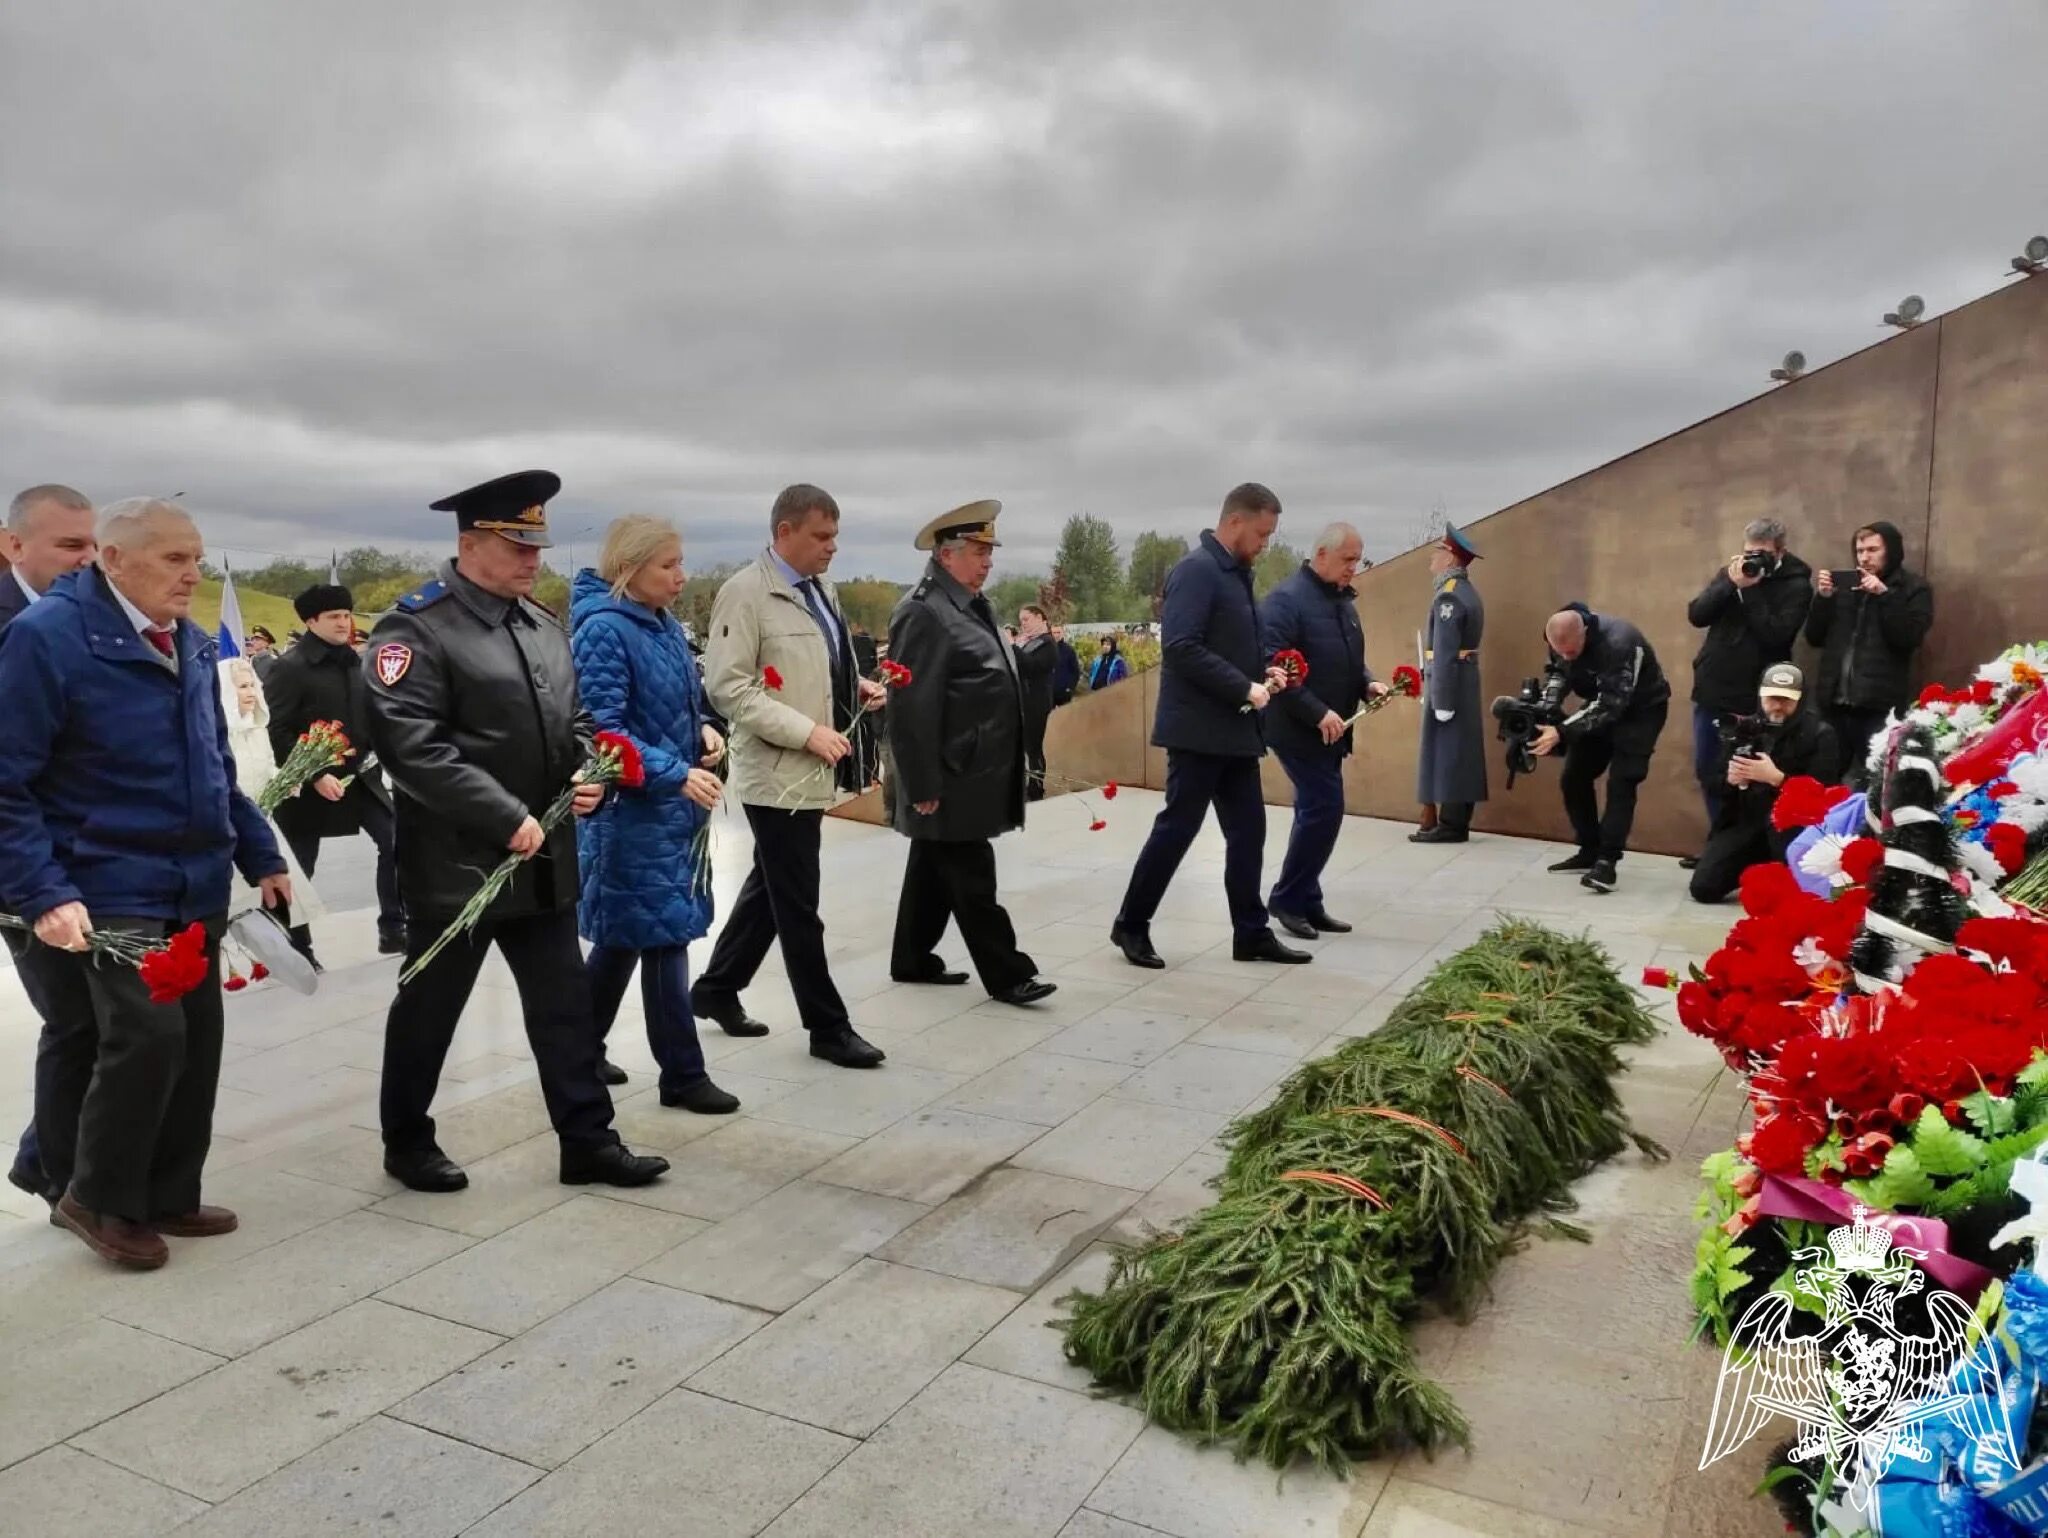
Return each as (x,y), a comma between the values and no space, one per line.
(1990,1114)
(1942,1149)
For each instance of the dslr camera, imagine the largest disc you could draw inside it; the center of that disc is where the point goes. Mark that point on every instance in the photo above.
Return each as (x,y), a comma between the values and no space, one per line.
(1759,563)
(1539,703)
(1743,736)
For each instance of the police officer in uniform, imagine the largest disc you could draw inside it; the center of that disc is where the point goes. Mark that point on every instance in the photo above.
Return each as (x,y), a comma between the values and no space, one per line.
(1451,769)
(957,764)
(474,715)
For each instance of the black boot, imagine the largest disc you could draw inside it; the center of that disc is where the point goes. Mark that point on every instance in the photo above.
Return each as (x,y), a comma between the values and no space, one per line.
(1582,861)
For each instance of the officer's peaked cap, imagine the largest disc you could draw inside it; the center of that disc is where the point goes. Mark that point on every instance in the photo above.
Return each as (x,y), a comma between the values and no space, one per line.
(512,505)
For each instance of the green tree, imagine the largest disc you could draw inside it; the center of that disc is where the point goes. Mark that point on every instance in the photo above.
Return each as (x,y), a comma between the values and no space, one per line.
(366,565)
(869,601)
(1278,562)
(1011,594)
(1090,569)
(694,607)
(551,591)
(1152,557)
(282,578)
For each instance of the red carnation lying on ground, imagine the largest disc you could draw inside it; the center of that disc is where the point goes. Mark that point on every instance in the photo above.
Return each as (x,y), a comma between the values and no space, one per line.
(1803,801)
(177,967)
(1109,791)
(1658,977)
(770,678)
(632,773)
(1097,825)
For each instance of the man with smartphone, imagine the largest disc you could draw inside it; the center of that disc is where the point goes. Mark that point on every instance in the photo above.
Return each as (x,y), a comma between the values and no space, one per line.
(1868,622)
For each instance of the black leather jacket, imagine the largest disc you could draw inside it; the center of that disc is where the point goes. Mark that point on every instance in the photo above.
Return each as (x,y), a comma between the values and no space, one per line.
(475,716)
(1617,675)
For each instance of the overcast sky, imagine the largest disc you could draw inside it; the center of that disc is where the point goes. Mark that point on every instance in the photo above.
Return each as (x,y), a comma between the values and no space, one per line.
(316,265)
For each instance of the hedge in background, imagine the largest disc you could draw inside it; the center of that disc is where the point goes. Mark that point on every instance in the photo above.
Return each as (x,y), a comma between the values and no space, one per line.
(1400,1168)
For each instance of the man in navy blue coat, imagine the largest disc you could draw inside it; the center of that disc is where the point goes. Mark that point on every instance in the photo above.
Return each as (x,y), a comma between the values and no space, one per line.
(1315,612)
(1215,679)
(119,812)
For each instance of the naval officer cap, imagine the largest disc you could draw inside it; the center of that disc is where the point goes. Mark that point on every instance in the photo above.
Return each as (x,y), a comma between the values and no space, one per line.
(1459,543)
(512,505)
(976,521)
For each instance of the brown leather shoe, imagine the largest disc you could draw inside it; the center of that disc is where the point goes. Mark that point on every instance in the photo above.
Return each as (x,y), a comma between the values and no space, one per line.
(134,1245)
(201,1223)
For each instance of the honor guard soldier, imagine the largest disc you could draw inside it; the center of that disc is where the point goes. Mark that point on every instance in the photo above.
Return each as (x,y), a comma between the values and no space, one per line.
(957,757)
(1451,767)
(475,717)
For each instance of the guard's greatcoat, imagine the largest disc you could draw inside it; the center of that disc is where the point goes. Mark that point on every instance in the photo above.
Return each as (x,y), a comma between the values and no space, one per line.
(1451,768)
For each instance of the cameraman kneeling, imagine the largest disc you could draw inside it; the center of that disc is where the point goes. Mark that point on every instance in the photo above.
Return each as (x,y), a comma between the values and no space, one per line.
(1607,663)
(1765,750)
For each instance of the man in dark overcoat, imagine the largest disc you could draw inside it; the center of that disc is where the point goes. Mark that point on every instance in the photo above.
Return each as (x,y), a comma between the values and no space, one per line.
(1215,681)
(956,757)
(321,679)
(1451,768)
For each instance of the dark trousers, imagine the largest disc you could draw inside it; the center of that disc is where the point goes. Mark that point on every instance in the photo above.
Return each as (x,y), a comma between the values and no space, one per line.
(778,904)
(956,881)
(142,1122)
(1318,779)
(377,826)
(1709,762)
(55,984)
(1854,727)
(1034,757)
(664,999)
(1730,850)
(1455,816)
(547,966)
(1195,781)
(1623,755)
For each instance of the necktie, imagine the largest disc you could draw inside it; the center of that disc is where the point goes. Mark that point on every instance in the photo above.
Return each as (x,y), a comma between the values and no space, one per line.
(160,639)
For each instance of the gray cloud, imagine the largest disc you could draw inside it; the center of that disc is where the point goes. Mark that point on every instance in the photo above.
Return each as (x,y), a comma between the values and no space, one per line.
(317,265)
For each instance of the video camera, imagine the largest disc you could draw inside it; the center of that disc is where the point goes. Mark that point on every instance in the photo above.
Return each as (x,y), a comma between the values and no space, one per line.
(1538,704)
(1743,736)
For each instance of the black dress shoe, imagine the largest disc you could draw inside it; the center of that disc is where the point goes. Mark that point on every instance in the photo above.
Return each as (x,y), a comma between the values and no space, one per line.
(1137,949)
(1689,862)
(1267,948)
(701,1096)
(935,972)
(1601,877)
(1582,861)
(612,1164)
(1027,992)
(730,1018)
(1328,926)
(846,1048)
(610,1071)
(424,1169)
(1438,835)
(1293,923)
(390,942)
(29,1179)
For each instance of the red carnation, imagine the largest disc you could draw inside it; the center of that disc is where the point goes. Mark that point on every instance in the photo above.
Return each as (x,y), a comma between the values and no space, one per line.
(2022,942)
(1865,1156)
(1803,801)
(1696,1009)
(235,983)
(1097,825)
(1778,1144)
(1861,858)
(2008,845)
(1109,791)
(1406,680)
(770,678)
(1293,665)
(1933,694)
(1998,790)
(1657,977)
(176,967)
(258,971)
(1981,692)
(631,773)
(1766,888)
(894,675)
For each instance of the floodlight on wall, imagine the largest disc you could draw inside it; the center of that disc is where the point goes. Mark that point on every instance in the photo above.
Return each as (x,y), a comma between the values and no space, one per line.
(2034,258)
(1793,366)
(1908,314)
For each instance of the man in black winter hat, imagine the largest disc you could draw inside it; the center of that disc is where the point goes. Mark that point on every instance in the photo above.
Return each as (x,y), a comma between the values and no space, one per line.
(320,678)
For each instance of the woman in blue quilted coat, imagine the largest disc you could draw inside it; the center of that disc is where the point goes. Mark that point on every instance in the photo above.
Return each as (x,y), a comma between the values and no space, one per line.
(638,678)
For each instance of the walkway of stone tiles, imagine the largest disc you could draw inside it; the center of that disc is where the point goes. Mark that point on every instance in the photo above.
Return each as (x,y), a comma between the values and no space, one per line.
(829,1319)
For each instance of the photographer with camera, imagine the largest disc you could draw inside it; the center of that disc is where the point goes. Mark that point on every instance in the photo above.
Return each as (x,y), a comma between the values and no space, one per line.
(1608,663)
(1760,753)
(1751,612)
(1868,624)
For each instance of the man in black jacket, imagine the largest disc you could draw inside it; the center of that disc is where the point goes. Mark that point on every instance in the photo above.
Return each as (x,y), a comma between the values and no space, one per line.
(1868,624)
(1037,658)
(1315,612)
(1751,613)
(1214,681)
(957,757)
(321,679)
(1607,663)
(1066,668)
(1783,740)
(474,714)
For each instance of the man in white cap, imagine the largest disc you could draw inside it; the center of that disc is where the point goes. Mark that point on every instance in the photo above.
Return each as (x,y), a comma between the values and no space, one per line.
(1765,750)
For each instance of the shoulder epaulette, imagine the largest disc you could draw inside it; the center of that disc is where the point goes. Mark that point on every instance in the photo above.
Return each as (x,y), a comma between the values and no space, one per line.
(1449,584)
(423,597)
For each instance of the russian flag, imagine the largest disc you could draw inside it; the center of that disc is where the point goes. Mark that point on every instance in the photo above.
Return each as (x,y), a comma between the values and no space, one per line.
(230,638)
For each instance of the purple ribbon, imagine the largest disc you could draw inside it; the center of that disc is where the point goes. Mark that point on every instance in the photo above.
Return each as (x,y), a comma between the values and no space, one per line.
(1809,1201)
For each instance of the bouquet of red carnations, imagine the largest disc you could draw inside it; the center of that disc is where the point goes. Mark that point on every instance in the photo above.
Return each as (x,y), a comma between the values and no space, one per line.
(321,747)
(1406,684)
(170,968)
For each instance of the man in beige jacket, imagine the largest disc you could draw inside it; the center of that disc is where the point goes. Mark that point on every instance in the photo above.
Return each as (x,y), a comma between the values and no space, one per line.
(778,664)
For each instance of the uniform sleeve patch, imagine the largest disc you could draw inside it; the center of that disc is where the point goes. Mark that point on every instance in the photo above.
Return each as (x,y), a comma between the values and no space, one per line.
(392,662)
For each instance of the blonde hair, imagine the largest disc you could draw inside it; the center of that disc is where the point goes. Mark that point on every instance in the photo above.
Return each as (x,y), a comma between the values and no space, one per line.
(629,544)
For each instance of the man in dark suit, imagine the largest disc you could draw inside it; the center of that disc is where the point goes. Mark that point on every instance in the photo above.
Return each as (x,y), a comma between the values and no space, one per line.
(49,532)
(1315,612)
(957,756)
(1214,680)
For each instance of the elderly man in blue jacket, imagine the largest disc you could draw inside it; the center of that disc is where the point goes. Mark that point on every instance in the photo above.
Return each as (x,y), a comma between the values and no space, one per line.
(119,812)
(1314,611)
(1215,680)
